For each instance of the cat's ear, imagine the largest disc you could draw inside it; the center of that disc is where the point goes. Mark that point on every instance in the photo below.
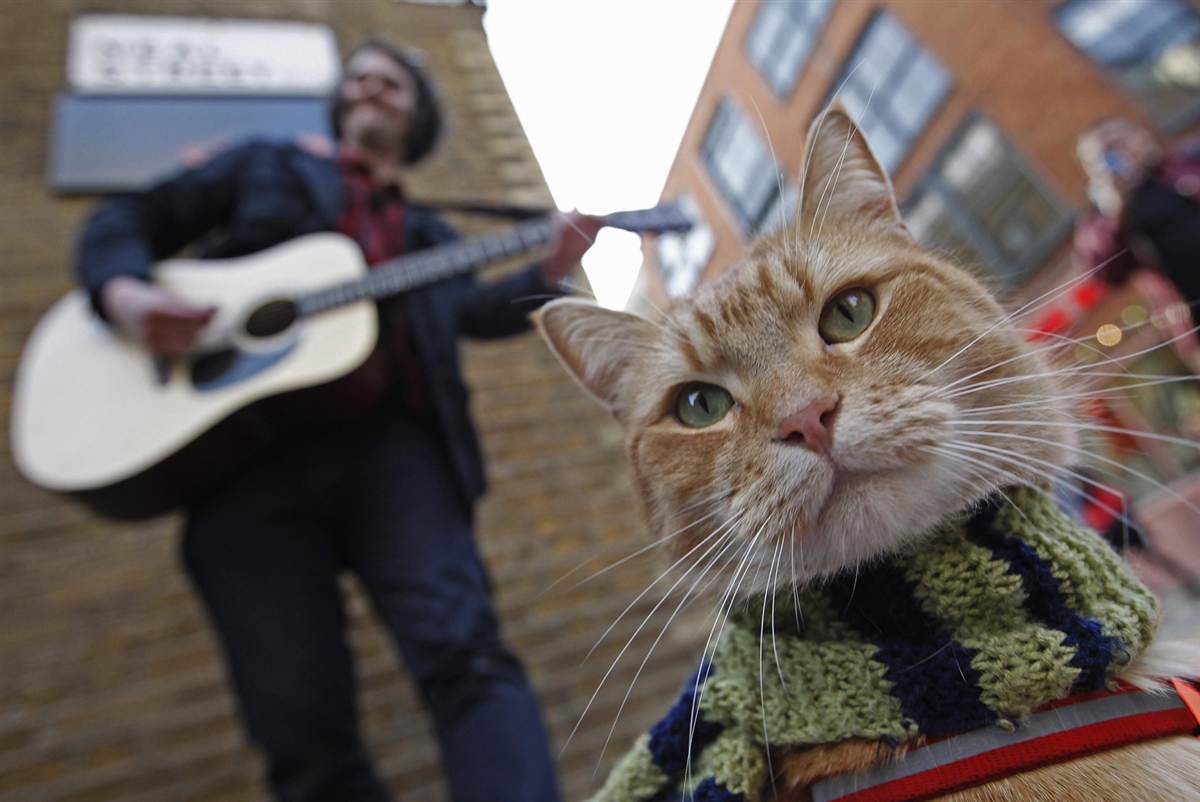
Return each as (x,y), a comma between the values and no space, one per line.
(596,345)
(843,182)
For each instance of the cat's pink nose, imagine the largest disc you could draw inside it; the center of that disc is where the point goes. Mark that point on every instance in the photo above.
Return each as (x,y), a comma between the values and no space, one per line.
(811,426)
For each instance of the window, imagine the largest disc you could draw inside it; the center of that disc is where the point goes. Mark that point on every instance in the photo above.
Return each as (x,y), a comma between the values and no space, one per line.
(782,37)
(1151,47)
(740,165)
(891,86)
(682,257)
(981,203)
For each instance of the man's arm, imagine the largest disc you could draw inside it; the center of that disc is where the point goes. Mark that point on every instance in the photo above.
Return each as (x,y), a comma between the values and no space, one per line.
(127,234)
(502,308)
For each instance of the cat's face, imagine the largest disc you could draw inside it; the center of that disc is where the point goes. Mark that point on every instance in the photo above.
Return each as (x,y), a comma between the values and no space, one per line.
(822,399)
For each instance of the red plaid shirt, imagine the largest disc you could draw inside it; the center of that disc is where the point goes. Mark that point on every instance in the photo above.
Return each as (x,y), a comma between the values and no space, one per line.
(373,216)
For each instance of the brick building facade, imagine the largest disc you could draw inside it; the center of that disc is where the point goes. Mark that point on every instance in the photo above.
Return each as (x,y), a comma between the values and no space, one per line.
(111,686)
(1008,63)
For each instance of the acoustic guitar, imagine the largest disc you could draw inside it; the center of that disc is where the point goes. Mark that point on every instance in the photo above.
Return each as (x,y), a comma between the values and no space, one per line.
(100,418)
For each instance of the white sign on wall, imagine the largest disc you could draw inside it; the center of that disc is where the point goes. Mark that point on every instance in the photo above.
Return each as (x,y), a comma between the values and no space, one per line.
(111,53)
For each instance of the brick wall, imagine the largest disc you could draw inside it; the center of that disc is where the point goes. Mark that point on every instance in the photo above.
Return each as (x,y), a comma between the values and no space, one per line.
(110,685)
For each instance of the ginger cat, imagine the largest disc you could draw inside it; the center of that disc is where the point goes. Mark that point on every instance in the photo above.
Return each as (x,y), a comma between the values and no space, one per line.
(831,393)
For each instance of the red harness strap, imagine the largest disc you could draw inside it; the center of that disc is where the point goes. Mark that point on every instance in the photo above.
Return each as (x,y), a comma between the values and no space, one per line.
(1078,725)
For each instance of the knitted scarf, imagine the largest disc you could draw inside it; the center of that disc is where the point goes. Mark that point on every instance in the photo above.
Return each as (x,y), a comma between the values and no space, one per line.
(980,622)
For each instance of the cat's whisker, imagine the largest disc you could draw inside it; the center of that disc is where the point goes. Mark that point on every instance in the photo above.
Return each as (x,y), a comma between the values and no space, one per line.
(1058,470)
(843,561)
(1088,370)
(1084,493)
(965,447)
(734,586)
(1030,354)
(773,590)
(1033,305)
(795,587)
(978,471)
(647,589)
(1062,372)
(1109,490)
(837,174)
(625,559)
(730,537)
(991,485)
(774,159)
(1084,452)
(1079,341)
(1039,400)
(802,177)
(640,626)
(727,601)
(576,288)
(736,559)
(943,450)
(827,190)
(812,140)
(1013,504)
(762,691)
(1092,427)
(985,476)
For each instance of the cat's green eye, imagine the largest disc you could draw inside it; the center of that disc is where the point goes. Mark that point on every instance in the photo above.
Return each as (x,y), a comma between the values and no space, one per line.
(699,405)
(846,316)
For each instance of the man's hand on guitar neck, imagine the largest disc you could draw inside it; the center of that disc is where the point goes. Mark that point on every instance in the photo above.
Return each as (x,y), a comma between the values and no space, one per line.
(160,320)
(574,235)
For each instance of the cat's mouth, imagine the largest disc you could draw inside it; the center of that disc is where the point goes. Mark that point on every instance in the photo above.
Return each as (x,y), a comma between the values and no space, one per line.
(848,485)
(844,480)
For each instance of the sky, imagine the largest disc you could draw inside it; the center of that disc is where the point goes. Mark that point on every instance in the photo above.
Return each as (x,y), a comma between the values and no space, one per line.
(604,91)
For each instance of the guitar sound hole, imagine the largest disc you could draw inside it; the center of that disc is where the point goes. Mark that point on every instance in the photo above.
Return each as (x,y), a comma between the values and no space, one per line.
(272,318)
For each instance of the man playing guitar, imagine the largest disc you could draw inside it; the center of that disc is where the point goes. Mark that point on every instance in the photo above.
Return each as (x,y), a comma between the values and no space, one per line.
(387,493)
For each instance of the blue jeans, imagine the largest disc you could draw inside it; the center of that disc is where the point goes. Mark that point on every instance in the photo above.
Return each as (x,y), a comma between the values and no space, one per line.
(375,497)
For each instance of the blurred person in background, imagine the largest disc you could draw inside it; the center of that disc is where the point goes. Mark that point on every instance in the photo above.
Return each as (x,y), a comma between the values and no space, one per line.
(386,491)
(1144,221)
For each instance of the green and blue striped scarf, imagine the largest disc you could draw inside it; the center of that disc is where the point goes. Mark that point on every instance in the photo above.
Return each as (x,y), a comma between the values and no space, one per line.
(978,623)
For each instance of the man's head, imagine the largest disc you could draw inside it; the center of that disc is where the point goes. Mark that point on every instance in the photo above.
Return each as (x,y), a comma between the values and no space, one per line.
(1117,150)
(386,102)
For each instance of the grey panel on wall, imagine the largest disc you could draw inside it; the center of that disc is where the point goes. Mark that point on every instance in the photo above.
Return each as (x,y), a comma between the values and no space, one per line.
(107,143)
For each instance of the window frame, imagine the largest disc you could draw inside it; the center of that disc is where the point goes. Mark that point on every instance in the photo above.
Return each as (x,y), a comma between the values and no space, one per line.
(700,224)
(749,220)
(1174,122)
(974,230)
(893,81)
(818,25)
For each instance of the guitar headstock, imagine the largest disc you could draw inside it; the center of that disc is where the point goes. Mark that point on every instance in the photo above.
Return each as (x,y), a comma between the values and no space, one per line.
(666,217)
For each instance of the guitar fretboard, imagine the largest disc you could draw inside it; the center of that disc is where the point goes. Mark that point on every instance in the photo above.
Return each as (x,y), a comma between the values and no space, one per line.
(425,267)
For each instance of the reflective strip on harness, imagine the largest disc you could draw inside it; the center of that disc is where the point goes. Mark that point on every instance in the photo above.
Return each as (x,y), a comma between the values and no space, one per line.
(1094,723)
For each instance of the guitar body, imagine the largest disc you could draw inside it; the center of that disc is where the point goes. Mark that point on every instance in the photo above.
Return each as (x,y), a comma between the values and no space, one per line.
(293,343)
(96,416)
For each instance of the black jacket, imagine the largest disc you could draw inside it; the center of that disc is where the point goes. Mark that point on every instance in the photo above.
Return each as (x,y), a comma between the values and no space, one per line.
(259,194)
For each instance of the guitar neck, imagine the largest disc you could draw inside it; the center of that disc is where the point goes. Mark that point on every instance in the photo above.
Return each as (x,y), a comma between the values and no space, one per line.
(425,267)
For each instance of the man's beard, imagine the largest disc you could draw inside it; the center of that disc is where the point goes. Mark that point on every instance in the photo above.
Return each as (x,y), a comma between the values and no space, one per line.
(381,136)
